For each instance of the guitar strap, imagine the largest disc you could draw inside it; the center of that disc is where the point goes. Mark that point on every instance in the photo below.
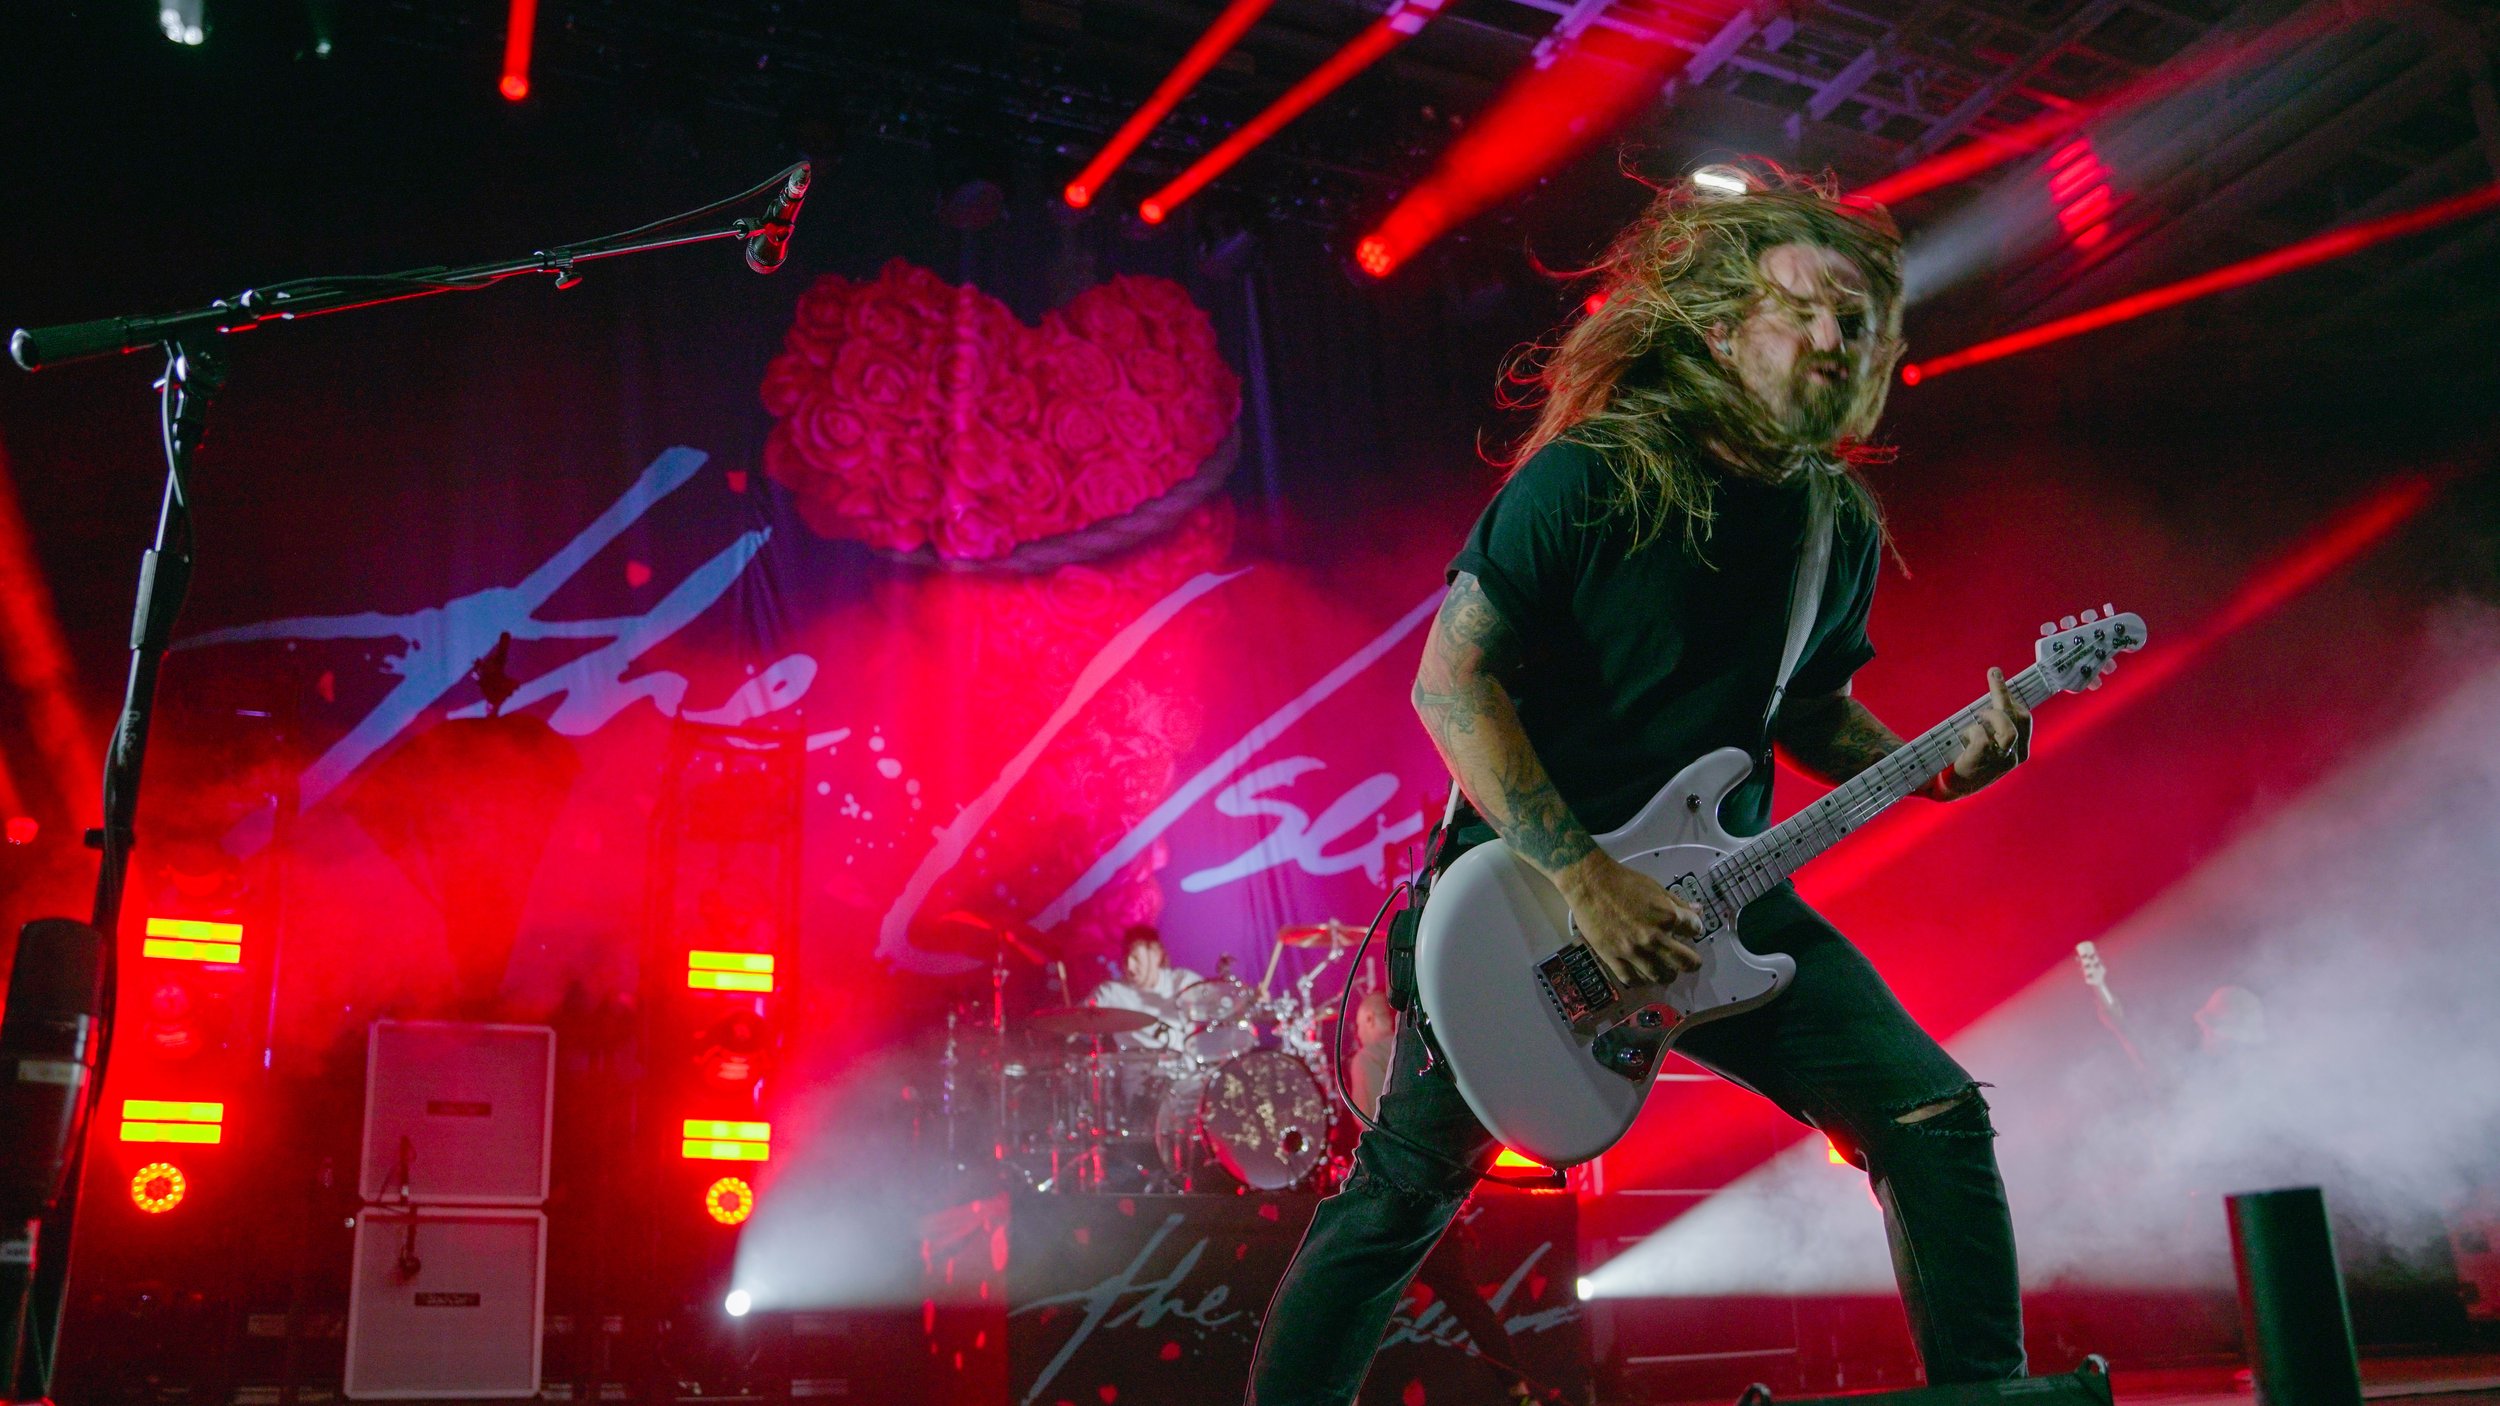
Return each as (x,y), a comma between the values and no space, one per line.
(1805,601)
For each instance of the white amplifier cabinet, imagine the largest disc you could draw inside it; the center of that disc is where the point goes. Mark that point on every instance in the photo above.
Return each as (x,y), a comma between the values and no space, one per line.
(453,1311)
(462,1114)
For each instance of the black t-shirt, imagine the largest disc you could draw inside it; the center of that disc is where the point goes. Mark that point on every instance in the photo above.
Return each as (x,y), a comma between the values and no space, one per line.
(1638,662)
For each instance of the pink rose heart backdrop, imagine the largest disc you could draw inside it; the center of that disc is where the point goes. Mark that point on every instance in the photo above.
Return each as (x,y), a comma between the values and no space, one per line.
(912,412)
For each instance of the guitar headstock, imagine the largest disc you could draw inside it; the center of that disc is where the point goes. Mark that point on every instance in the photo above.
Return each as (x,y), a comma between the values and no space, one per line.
(2095,975)
(2077,652)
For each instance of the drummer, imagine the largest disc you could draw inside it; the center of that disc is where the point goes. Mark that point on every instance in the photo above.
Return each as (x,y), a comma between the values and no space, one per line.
(1153,985)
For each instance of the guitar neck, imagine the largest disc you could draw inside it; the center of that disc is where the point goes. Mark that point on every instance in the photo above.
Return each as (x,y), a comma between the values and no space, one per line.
(1763,862)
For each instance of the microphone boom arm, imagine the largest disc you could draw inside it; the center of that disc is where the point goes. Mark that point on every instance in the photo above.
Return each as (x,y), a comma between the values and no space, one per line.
(34,348)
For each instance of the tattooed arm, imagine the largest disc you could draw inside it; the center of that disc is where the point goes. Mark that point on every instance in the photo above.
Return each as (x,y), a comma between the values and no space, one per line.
(1833,737)
(1463,697)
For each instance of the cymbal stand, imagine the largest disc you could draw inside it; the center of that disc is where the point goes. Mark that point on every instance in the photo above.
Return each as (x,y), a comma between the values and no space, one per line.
(1097,1114)
(947,1064)
(998,1056)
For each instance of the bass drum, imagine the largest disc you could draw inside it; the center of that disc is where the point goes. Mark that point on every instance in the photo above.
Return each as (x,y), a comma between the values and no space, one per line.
(1262,1116)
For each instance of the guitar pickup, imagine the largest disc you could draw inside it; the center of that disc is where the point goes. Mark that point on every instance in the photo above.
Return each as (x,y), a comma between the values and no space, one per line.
(1576,983)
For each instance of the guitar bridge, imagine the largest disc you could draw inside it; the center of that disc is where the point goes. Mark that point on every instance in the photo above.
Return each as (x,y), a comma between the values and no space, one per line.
(1576,983)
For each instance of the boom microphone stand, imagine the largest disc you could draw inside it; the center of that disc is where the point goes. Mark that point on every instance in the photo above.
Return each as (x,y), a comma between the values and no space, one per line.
(58,1045)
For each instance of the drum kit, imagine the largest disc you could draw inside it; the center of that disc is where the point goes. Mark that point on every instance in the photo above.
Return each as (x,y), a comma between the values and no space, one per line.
(1231,1091)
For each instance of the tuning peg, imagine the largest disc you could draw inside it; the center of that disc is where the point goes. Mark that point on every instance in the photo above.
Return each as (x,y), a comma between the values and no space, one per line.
(2107,609)
(2048,629)
(2067,623)
(2091,615)
(2096,682)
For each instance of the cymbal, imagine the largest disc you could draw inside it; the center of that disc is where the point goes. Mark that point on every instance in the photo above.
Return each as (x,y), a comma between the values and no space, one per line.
(1328,934)
(970,934)
(1089,1020)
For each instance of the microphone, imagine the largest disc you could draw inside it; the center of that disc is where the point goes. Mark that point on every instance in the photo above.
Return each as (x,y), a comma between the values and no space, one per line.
(769,244)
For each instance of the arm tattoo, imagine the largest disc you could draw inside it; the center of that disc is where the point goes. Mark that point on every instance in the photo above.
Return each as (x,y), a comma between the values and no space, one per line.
(1464,704)
(1834,737)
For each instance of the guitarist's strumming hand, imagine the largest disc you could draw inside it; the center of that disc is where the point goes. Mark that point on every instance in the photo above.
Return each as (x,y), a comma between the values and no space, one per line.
(1639,931)
(1636,928)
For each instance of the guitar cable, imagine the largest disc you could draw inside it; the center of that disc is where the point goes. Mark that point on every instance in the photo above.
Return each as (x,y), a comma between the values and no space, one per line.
(1553,1180)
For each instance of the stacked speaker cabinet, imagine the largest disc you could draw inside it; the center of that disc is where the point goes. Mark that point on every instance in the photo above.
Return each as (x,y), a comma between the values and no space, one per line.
(448,1292)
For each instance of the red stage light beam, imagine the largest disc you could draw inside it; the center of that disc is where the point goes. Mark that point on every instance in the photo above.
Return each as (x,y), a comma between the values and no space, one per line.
(2344,537)
(1403,21)
(1219,39)
(35,658)
(1545,117)
(518,30)
(2334,244)
(1989,150)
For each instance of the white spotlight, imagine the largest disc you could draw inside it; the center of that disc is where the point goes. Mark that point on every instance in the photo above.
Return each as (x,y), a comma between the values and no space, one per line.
(738,1302)
(1722,180)
(184,21)
(1581,1288)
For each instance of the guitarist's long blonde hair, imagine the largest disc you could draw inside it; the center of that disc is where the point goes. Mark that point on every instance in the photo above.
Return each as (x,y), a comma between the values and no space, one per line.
(1635,381)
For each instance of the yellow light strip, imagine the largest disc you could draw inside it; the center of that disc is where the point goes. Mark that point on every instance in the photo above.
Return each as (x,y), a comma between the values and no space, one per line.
(738,1132)
(173,949)
(196,929)
(703,1150)
(703,961)
(158,1110)
(730,981)
(172,1132)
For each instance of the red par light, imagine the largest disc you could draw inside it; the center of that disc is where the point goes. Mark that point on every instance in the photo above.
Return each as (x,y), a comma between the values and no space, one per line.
(729,1201)
(23,829)
(157,1187)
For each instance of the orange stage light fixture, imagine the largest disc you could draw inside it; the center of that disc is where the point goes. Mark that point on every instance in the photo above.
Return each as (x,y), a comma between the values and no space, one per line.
(170,1120)
(1401,23)
(193,940)
(720,1140)
(518,30)
(158,1187)
(2334,244)
(729,971)
(729,1201)
(1211,46)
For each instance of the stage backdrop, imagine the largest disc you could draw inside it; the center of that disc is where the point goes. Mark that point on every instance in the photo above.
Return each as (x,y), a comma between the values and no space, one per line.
(993,570)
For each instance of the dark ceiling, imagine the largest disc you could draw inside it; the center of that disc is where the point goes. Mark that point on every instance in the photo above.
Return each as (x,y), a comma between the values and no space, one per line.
(2313,116)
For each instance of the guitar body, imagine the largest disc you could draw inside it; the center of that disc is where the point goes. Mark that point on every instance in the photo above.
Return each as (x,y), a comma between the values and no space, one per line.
(1552,1055)
(1557,1089)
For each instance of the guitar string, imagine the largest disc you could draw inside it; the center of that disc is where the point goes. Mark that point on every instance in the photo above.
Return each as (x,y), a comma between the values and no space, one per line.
(1759,865)
(1834,816)
(1763,862)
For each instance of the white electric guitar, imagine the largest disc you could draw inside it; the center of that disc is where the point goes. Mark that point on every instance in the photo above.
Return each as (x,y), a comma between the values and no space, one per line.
(1549,1051)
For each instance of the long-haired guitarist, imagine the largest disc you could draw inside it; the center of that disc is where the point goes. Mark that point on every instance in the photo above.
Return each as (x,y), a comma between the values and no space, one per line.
(1620,609)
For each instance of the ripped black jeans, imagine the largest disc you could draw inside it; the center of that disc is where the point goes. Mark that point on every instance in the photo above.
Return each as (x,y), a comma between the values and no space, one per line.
(1836,1051)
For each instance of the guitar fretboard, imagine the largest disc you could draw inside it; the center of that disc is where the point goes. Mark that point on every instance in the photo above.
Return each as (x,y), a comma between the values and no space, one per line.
(1761,863)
